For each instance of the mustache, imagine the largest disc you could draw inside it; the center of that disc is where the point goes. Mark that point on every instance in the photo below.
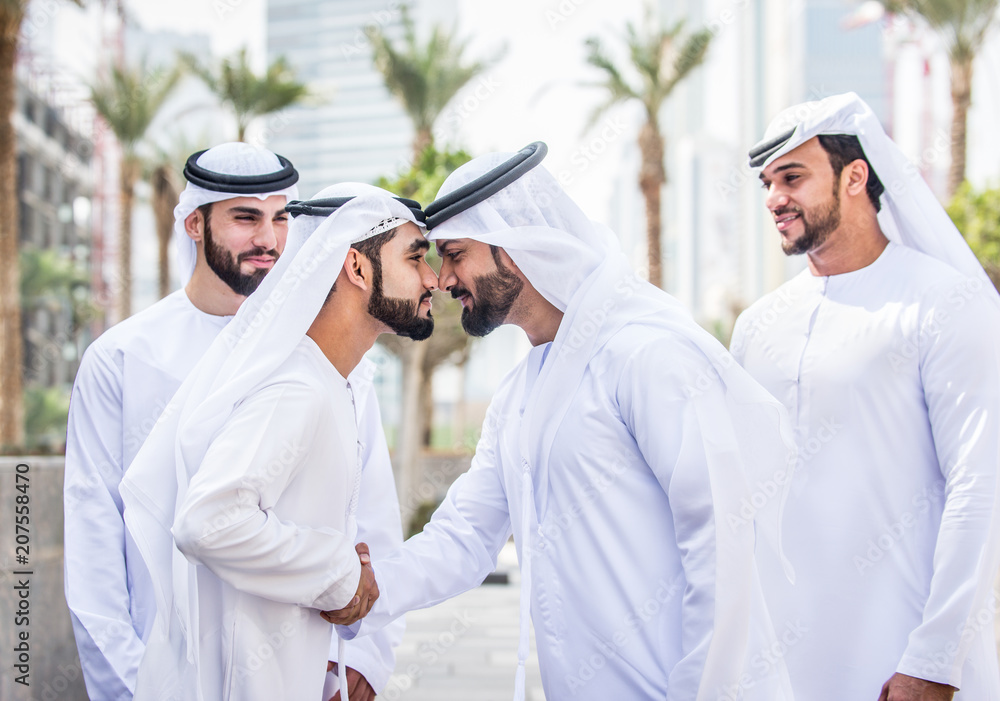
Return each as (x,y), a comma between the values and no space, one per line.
(425,295)
(457,292)
(787,209)
(257,252)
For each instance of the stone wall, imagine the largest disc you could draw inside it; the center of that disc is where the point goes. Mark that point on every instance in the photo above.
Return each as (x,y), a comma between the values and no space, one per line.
(32,605)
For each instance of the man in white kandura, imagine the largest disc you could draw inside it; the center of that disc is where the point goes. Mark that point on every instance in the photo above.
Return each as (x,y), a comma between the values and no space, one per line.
(886,353)
(230,226)
(243,499)
(620,453)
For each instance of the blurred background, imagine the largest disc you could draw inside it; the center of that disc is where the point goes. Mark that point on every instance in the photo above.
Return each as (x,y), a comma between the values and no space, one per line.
(648,108)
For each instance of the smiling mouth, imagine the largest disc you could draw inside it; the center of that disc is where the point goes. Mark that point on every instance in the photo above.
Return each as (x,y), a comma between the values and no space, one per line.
(785,220)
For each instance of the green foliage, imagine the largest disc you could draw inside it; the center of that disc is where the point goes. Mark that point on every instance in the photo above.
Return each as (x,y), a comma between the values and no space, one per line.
(420,517)
(977,216)
(129,99)
(46,410)
(659,59)
(52,281)
(423,76)
(247,94)
(424,178)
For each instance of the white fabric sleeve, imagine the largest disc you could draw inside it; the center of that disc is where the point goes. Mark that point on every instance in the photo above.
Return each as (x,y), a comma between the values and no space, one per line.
(379,526)
(457,549)
(960,369)
(221,525)
(96,581)
(694,463)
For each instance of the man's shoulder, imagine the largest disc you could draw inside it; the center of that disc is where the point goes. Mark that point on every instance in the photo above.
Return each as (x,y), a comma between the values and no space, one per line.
(781,297)
(927,277)
(156,320)
(649,348)
(306,376)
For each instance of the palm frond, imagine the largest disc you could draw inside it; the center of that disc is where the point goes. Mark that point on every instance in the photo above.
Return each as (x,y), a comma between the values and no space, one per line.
(129,99)
(249,95)
(426,76)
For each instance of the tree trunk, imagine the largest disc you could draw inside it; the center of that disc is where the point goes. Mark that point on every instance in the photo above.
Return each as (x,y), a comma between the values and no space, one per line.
(241,130)
(411,427)
(11,337)
(652,176)
(461,406)
(961,99)
(11,343)
(427,406)
(421,141)
(164,197)
(127,177)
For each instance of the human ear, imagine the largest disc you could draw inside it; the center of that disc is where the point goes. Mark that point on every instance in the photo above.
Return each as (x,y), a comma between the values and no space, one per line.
(856,176)
(194,225)
(358,269)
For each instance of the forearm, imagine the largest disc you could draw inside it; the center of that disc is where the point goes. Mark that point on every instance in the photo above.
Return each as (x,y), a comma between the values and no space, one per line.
(254,551)
(457,549)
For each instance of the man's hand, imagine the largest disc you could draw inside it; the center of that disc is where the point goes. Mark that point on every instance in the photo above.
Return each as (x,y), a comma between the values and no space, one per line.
(903,688)
(364,598)
(358,687)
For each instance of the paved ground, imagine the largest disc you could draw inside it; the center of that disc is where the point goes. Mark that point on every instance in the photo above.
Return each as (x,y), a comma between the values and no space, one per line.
(466,648)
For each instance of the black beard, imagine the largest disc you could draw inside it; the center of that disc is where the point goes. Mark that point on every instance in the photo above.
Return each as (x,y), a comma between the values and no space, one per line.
(816,232)
(400,315)
(495,295)
(227,267)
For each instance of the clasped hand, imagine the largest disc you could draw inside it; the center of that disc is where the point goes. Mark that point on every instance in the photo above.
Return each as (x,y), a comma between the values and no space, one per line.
(363,599)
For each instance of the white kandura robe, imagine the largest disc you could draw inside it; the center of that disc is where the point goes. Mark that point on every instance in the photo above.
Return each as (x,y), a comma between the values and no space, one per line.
(891,375)
(626,578)
(270,517)
(126,378)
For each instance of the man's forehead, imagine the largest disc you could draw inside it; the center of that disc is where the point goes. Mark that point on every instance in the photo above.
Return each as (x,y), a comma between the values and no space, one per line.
(269,203)
(801,155)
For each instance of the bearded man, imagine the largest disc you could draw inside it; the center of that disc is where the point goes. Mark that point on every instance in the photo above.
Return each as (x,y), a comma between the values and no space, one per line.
(244,500)
(619,454)
(886,353)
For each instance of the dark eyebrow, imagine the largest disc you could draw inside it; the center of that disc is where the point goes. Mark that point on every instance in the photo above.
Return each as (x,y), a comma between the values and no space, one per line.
(786,166)
(246,210)
(443,245)
(420,244)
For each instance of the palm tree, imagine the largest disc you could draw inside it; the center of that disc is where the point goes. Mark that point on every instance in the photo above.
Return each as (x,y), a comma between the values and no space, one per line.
(425,77)
(12,14)
(662,57)
(128,101)
(962,26)
(247,94)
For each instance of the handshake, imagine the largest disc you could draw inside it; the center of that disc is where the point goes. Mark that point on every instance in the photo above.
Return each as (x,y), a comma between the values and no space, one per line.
(363,599)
